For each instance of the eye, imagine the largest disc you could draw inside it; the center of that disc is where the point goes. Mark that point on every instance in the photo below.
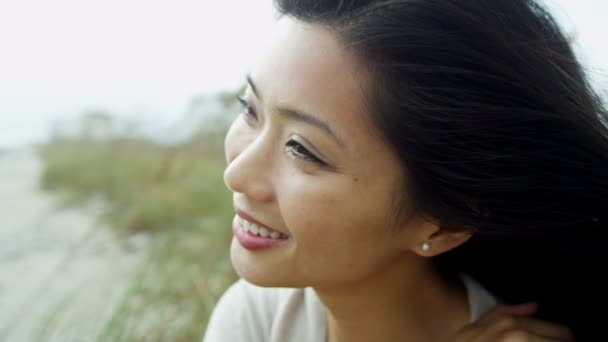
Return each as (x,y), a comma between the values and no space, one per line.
(248,109)
(298,151)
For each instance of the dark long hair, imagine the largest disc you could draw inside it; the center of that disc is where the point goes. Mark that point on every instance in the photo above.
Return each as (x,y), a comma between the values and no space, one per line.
(500,133)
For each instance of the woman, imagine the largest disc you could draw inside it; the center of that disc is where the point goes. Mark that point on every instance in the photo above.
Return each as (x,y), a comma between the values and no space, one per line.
(403,167)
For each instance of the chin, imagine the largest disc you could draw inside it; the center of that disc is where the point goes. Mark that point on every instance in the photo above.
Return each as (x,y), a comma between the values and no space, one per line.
(258,274)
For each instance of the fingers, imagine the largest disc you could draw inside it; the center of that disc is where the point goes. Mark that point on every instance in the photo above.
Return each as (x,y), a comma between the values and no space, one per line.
(512,323)
(525,309)
(544,329)
(524,336)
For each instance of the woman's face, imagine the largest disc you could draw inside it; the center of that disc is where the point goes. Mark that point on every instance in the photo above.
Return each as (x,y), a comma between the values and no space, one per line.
(304,161)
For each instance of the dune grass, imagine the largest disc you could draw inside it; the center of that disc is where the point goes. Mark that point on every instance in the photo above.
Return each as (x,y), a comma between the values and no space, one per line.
(175,195)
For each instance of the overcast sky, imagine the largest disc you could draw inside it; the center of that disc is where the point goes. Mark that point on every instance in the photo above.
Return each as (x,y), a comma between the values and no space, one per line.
(145,59)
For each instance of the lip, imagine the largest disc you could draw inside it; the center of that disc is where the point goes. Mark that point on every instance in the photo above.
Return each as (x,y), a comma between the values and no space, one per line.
(248,217)
(250,241)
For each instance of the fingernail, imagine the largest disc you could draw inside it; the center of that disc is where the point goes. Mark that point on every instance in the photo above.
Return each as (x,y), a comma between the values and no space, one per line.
(524,308)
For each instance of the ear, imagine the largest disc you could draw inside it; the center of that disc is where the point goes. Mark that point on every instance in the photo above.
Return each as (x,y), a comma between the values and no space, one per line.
(441,241)
(431,239)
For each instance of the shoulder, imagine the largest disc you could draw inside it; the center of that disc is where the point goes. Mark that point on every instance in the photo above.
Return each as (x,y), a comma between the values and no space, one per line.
(244,312)
(251,313)
(480,299)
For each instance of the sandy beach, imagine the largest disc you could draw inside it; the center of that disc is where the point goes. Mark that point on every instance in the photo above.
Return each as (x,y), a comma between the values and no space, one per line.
(62,273)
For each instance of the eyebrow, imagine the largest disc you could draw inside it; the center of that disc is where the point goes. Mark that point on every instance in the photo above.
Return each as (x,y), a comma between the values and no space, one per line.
(301,116)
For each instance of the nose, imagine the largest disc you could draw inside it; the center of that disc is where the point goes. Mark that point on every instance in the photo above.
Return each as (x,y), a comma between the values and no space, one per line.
(249,166)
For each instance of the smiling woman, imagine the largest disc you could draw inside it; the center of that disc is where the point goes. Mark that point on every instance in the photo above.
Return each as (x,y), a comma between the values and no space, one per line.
(401,167)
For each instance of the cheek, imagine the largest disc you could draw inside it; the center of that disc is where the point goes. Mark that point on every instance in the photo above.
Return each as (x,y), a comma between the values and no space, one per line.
(339,238)
(303,202)
(332,213)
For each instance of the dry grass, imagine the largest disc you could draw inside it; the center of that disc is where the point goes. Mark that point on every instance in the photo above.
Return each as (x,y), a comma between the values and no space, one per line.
(174,194)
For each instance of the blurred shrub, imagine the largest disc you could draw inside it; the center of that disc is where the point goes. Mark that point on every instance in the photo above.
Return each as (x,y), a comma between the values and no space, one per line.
(174,194)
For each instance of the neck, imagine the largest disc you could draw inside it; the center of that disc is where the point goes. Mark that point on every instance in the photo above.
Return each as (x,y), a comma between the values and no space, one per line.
(408,301)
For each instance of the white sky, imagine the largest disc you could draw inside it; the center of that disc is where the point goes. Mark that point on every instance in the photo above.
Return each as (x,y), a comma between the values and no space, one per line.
(146,58)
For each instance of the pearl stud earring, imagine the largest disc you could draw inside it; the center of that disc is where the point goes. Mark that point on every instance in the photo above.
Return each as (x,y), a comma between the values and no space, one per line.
(426,246)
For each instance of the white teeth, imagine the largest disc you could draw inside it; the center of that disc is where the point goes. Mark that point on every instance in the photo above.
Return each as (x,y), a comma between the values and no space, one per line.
(254,229)
(246,225)
(264,232)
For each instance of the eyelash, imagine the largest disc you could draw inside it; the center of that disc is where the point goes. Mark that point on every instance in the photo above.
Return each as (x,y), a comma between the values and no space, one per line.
(298,151)
(247,108)
(292,147)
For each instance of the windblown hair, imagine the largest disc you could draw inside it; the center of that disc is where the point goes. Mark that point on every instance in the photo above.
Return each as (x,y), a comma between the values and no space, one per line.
(500,133)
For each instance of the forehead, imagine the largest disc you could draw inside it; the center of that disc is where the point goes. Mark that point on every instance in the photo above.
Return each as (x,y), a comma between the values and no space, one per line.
(306,68)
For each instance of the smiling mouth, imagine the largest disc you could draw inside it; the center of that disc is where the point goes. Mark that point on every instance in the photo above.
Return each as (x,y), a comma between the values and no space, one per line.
(256,230)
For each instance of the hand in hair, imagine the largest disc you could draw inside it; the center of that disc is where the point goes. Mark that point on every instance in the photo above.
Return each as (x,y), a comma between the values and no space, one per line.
(512,323)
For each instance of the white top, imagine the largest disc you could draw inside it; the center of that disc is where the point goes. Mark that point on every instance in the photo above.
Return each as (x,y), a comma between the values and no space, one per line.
(248,313)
